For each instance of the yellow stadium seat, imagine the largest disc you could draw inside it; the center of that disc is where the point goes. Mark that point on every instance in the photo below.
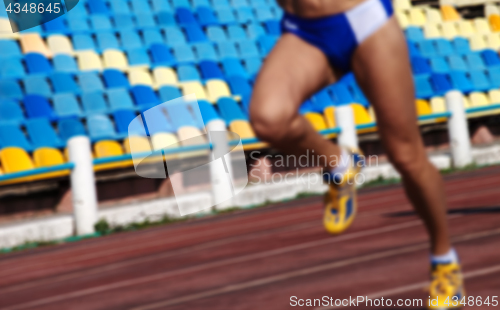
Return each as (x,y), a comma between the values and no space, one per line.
(191,136)
(140,77)
(15,159)
(402,18)
(46,157)
(163,140)
(494,22)
(423,107)
(449,13)
(402,5)
(136,144)
(244,130)
(194,87)
(482,26)
(33,43)
(477,42)
(330,117)
(417,17)
(6,30)
(491,9)
(449,30)
(478,99)
(371,111)
(59,44)
(465,28)
(316,120)
(493,41)
(217,89)
(494,96)
(433,16)
(361,115)
(431,31)
(114,59)
(107,148)
(89,60)
(165,76)
(438,105)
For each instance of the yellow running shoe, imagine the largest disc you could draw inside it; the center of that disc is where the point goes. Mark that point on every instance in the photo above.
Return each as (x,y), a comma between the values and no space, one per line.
(446,290)
(340,199)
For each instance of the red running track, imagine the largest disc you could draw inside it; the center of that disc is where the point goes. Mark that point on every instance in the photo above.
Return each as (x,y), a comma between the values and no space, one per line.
(258,259)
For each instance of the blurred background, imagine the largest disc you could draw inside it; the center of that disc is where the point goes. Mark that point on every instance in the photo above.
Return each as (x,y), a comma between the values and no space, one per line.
(94,69)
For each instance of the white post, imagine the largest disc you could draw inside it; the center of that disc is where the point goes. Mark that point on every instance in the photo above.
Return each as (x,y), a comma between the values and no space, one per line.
(344,117)
(458,130)
(221,179)
(83,185)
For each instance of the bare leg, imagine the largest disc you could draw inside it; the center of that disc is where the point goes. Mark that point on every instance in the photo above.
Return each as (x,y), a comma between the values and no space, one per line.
(293,71)
(382,68)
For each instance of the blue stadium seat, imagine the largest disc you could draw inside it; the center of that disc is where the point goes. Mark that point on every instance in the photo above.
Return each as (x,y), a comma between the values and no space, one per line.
(225,16)
(266,44)
(118,7)
(42,133)
(107,40)
(161,6)
(253,65)
(461,46)
(83,42)
(322,100)
(185,17)
(10,111)
(457,63)
(184,54)
(181,3)
(140,6)
(412,49)
(201,3)
(480,80)
(64,63)
(423,87)
(236,33)
(414,34)
(216,34)
(78,24)
(64,83)
(239,86)
(144,96)
(148,20)
(188,73)
(230,110)
(210,70)
(245,15)
(461,82)
(259,3)
(122,120)
(220,4)
(440,84)
(156,122)
(205,51)
(255,30)
(420,65)
(168,93)
(195,34)
(207,111)
(115,79)
(227,50)
(248,49)
(123,22)
(97,7)
(427,48)
(491,58)
(100,127)
(174,36)
(161,55)
(263,14)
(475,61)
(9,49)
(273,27)
(439,64)
(11,68)
(306,107)
(444,47)
(37,63)
(90,81)
(152,36)
(94,102)
(70,127)
(206,16)
(232,67)
(37,106)
(130,40)
(180,115)
(55,26)
(165,19)
(120,99)
(10,89)
(37,85)
(77,11)
(66,105)
(239,3)
(341,94)
(12,136)
(100,22)
(138,56)
(494,75)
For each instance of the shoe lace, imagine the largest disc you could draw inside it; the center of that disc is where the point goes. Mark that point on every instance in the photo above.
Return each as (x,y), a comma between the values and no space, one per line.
(445,281)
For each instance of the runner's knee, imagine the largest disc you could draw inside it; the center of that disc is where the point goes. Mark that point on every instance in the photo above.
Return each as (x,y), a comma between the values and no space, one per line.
(272,124)
(408,159)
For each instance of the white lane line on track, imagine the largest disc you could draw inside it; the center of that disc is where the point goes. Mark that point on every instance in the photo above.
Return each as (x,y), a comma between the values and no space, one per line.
(421,285)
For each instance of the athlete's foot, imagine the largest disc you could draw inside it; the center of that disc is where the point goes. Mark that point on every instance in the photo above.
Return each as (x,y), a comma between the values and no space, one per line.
(340,199)
(446,290)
